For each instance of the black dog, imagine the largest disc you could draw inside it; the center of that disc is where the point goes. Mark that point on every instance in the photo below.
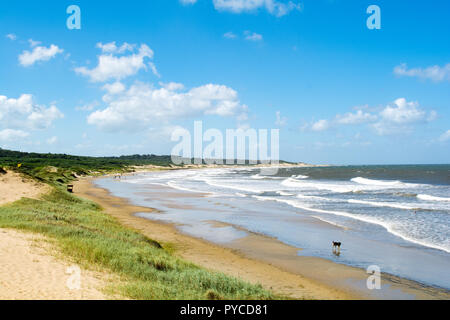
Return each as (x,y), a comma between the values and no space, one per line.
(336,245)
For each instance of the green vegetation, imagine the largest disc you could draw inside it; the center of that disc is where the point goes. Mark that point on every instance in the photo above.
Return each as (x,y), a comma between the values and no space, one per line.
(89,236)
(61,168)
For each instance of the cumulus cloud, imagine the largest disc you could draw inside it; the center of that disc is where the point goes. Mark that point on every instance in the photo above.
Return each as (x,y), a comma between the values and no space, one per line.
(229,35)
(8,135)
(39,53)
(42,118)
(33,43)
(87,107)
(111,66)
(114,88)
(111,47)
(434,73)
(24,113)
(163,133)
(252,36)
(355,118)
(320,125)
(276,8)
(172,86)
(403,112)
(358,117)
(142,105)
(397,117)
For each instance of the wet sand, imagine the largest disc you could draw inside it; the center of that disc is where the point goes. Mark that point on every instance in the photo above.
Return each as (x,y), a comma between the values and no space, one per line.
(260,259)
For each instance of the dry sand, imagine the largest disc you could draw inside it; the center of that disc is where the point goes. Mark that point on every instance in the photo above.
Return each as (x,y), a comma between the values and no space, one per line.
(28,267)
(30,271)
(13,186)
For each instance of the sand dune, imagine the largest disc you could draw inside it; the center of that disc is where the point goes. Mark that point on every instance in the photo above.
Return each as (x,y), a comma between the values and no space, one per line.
(28,271)
(13,187)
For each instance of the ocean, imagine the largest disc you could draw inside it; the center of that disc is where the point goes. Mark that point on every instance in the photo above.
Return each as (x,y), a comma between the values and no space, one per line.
(396,217)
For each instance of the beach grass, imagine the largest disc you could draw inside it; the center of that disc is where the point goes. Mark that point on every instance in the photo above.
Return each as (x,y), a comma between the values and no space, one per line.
(89,236)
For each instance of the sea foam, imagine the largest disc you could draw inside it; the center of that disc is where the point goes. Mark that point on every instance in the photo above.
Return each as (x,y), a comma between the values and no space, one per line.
(432,198)
(390,226)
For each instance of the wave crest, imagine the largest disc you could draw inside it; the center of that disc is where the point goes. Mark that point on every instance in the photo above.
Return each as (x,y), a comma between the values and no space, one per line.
(427,197)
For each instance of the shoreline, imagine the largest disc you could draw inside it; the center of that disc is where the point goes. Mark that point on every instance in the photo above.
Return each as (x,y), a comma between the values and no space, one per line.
(279,269)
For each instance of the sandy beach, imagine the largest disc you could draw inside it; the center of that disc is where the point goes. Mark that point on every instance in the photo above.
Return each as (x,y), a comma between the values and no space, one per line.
(31,267)
(40,272)
(14,186)
(260,259)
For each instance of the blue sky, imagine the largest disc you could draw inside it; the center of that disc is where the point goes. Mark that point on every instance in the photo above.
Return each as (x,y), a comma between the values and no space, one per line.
(136,70)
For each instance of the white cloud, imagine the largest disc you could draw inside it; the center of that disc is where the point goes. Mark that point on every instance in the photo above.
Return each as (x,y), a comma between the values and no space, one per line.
(40,53)
(112,48)
(114,88)
(42,118)
(280,121)
(188,2)
(252,36)
(172,86)
(154,70)
(274,7)
(320,125)
(402,112)
(434,73)
(163,133)
(111,66)
(445,136)
(230,35)
(8,135)
(355,118)
(359,117)
(11,36)
(24,113)
(108,47)
(33,43)
(397,117)
(88,106)
(142,105)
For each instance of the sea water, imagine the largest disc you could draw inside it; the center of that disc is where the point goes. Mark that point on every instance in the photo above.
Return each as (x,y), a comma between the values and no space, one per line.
(396,217)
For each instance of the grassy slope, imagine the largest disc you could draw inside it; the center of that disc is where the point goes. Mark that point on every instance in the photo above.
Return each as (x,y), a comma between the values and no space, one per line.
(90,236)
